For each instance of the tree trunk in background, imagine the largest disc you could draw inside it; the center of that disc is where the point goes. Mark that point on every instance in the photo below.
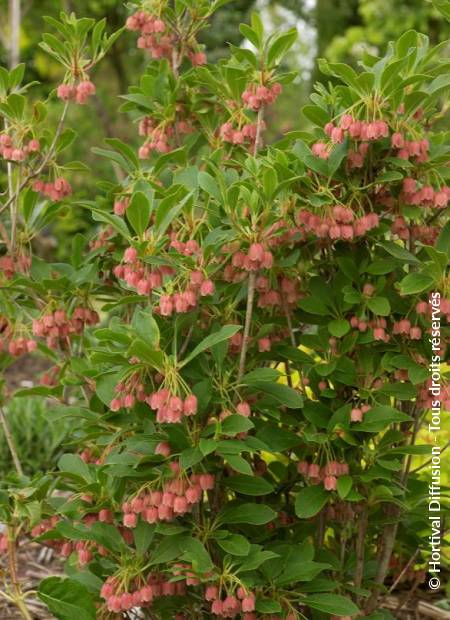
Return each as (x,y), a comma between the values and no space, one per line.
(14,42)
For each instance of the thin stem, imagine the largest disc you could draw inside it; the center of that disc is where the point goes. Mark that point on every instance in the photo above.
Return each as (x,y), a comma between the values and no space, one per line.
(258,130)
(386,543)
(12,565)
(360,540)
(10,442)
(248,322)
(185,344)
(407,565)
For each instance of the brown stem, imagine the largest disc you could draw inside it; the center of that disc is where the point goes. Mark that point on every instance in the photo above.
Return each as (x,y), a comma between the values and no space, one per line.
(407,565)
(321,530)
(12,565)
(386,543)
(360,540)
(10,442)
(248,322)
(185,344)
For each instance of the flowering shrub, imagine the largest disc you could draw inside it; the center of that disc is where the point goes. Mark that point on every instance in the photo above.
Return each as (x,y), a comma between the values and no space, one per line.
(245,338)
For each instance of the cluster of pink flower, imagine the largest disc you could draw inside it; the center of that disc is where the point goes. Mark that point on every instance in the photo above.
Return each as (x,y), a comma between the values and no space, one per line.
(50,377)
(357,413)
(247,133)
(56,191)
(58,326)
(15,153)
(65,548)
(103,239)
(356,130)
(152,30)
(425,398)
(78,93)
(140,595)
(232,605)
(256,258)
(159,135)
(18,346)
(404,328)
(423,233)
(120,206)
(155,38)
(328,474)
(128,392)
(342,224)
(355,158)
(406,149)
(188,248)
(184,301)
(265,342)
(359,324)
(425,308)
(287,292)
(10,265)
(171,408)
(426,196)
(44,526)
(176,499)
(138,276)
(378,326)
(256,95)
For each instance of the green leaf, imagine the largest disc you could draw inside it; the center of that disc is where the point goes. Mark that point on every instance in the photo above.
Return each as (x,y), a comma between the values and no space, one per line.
(310,501)
(209,185)
(238,463)
(249,34)
(344,485)
(332,604)
(380,416)
(415,283)
(67,599)
(195,552)
(379,305)
(74,465)
(169,208)
(138,213)
(146,327)
(396,250)
(283,394)
(253,514)
(300,570)
(235,544)
(339,327)
(234,424)
(281,45)
(443,241)
(100,215)
(389,176)
(267,606)
(249,485)
(316,115)
(168,549)
(190,457)
(225,333)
